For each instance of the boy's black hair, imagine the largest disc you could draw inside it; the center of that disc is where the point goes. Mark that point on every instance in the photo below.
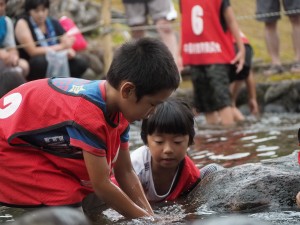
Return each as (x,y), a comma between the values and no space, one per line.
(33,4)
(172,117)
(148,64)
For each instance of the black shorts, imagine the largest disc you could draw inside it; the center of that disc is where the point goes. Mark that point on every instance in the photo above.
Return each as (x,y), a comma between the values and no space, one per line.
(211,87)
(244,73)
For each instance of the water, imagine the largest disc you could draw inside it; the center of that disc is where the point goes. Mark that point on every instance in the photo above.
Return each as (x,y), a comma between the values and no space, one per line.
(253,141)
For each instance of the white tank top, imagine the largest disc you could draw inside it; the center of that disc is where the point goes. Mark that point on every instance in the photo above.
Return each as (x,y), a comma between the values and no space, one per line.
(141,162)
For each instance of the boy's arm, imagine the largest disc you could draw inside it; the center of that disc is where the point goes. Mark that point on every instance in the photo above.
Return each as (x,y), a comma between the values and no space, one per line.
(250,84)
(129,181)
(234,29)
(98,171)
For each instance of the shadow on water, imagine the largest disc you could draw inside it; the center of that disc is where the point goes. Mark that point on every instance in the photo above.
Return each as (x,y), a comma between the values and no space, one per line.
(255,140)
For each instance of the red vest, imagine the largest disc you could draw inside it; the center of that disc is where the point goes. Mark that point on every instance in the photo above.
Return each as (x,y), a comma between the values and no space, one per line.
(204,41)
(244,38)
(188,178)
(31,176)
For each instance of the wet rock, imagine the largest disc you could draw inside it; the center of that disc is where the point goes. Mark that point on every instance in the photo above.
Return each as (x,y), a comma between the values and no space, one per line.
(230,220)
(53,216)
(274,108)
(277,90)
(250,187)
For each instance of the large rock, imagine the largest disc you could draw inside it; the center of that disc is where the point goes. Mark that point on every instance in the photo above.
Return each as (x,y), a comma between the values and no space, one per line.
(268,185)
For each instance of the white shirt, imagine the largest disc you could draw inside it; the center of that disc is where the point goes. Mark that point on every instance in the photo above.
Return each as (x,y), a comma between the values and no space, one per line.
(141,162)
(9,40)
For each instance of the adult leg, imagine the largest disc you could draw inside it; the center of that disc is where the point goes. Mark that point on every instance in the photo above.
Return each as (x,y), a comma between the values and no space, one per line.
(137,33)
(272,41)
(263,9)
(167,35)
(163,13)
(293,8)
(136,16)
(295,21)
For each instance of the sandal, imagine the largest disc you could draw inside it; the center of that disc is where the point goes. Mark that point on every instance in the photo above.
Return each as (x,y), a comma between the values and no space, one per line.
(295,67)
(274,69)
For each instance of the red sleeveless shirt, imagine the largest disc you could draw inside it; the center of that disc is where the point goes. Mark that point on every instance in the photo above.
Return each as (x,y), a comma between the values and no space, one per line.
(204,40)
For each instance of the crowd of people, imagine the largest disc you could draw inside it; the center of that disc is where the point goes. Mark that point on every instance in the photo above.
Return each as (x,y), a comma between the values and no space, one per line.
(42,45)
(67,138)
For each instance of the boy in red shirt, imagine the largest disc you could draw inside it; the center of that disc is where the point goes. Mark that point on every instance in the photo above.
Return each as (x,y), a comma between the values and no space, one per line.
(206,46)
(60,138)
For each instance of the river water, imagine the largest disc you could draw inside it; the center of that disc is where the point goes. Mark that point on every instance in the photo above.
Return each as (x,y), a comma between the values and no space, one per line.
(255,140)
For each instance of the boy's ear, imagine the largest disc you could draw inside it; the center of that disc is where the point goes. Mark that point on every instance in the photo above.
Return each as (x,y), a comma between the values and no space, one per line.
(127,89)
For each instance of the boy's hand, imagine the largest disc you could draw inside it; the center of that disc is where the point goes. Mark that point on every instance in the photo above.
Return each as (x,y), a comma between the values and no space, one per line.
(239,61)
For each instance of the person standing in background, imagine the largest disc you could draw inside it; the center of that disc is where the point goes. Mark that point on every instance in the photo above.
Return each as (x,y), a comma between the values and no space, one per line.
(244,76)
(206,33)
(162,13)
(265,7)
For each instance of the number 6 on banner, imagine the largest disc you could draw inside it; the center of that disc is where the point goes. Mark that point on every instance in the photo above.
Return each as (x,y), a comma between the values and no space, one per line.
(197,20)
(11,103)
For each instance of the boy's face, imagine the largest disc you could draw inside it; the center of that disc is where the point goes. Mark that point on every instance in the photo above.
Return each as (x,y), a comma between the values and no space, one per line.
(133,110)
(2,7)
(167,150)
